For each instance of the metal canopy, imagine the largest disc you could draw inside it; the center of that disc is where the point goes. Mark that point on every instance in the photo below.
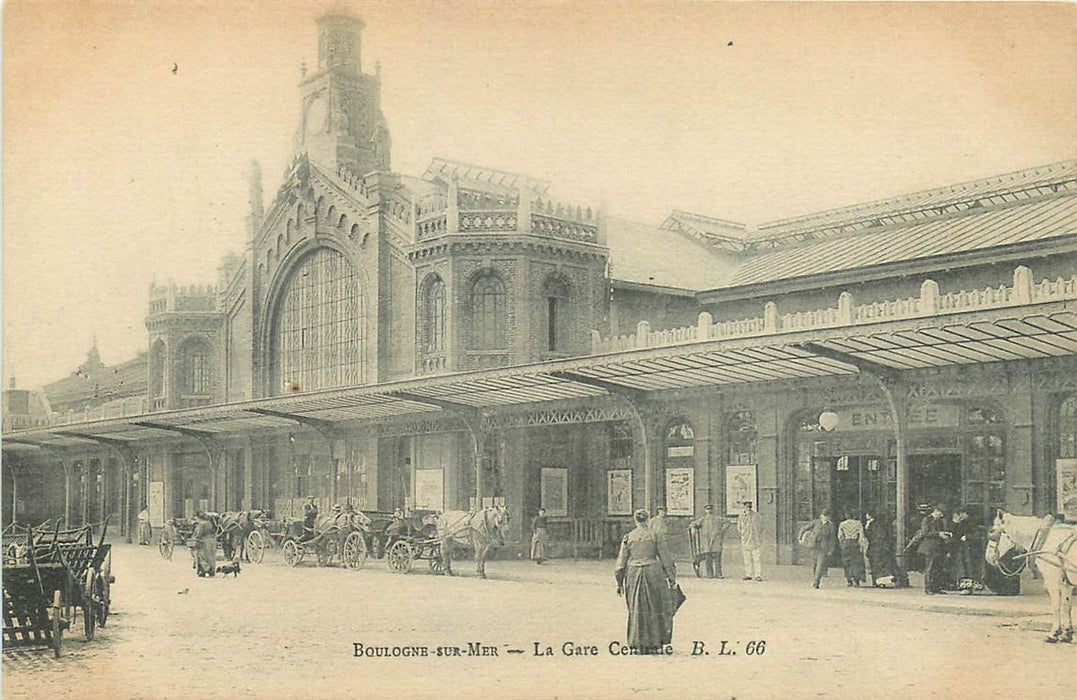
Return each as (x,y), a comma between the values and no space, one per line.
(1043,330)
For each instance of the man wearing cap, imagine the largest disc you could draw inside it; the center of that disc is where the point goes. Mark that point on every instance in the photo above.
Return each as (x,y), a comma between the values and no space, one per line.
(711,531)
(750,527)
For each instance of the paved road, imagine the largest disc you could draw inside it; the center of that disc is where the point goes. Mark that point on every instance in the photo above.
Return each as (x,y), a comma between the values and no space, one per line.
(276,632)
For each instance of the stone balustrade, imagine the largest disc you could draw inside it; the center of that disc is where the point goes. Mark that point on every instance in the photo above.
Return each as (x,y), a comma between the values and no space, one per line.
(465,211)
(848,313)
(121,408)
(173,297)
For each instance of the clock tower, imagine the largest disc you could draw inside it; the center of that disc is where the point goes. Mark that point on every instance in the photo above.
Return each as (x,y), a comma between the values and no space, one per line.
(340,122)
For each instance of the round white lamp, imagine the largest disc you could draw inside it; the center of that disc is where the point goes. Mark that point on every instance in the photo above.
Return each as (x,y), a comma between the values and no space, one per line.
(828,420)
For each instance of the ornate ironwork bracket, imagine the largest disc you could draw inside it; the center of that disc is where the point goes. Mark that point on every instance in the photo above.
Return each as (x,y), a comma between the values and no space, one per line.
(633,401)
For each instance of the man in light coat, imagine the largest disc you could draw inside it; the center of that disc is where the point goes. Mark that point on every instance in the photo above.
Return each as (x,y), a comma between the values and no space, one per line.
(658,523)
(750,527)
(711,532)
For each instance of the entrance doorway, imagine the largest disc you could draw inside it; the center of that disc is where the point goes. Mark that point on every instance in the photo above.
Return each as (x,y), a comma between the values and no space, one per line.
(858,483)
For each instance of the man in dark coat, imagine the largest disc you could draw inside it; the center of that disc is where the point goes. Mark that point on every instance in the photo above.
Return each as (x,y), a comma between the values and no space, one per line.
(933,536)
(711,532)
(962,571)
(310,514)
(823,534)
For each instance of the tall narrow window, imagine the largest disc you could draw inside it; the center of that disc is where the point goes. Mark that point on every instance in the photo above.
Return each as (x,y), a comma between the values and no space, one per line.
(555,291)
(195,372)
(488,312)
(434,315)
(157,369)
(551,323)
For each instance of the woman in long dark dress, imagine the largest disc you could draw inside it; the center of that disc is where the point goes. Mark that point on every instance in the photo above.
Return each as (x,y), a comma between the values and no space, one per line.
(205,549)
(644,575)
(880,551)
(540,541)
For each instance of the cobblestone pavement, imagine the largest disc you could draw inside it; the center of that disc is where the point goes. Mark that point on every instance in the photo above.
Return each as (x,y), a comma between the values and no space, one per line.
(278,632)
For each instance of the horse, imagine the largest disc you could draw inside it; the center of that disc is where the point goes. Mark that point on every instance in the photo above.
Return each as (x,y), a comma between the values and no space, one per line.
(1052,547)
(332,528)
(234,527)
(481,529)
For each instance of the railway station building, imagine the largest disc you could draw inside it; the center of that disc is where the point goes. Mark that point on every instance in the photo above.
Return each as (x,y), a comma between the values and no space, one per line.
(464,337)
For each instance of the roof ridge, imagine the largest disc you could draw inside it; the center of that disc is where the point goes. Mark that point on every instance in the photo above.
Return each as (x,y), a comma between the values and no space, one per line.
(961,189)
(505,178)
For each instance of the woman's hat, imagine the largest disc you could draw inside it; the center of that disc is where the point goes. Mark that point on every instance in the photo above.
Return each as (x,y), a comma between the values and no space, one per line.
(642,514)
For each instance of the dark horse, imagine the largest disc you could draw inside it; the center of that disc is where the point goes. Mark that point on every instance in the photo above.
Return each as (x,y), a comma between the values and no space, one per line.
(330,532)
(234,527)
(481,529)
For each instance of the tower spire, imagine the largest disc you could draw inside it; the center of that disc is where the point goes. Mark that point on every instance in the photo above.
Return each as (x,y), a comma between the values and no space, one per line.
(341,125)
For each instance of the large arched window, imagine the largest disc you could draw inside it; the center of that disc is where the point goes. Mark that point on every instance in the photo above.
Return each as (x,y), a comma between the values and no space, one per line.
(487,313)
(320,325)
(433,315)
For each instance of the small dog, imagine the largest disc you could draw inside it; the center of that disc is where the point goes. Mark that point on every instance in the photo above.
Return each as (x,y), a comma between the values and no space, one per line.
(231,567)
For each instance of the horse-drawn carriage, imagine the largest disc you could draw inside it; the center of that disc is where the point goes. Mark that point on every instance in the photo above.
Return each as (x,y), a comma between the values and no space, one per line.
(339,535)
(434,537)
(233,529)
(54,576)
(404,540)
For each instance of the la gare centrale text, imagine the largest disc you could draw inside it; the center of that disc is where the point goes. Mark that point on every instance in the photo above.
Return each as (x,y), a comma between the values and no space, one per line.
(722,648)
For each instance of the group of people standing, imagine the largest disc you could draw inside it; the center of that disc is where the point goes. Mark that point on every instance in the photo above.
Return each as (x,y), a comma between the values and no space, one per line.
(711,531)
(947,546)
(864,547)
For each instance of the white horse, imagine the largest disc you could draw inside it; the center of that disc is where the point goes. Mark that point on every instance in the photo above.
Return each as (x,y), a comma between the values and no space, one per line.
(482,529)
(1053,549)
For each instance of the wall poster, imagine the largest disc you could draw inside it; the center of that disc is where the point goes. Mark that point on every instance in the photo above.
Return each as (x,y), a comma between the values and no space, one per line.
(430,489)
(680,490)
(740,487)
(554,486)
(619,492)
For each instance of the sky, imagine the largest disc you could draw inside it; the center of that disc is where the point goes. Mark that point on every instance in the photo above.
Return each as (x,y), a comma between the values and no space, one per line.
(128,127)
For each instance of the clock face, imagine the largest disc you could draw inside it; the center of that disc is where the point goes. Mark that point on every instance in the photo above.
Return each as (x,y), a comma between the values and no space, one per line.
(316,113)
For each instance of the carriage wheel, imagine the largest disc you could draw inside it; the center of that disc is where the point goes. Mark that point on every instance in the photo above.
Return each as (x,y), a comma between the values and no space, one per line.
(436,565)
(164,546)
(57,624)
(293,553)
(355,551)
(400,557)
(256,547)
(89,613)
(102,591)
